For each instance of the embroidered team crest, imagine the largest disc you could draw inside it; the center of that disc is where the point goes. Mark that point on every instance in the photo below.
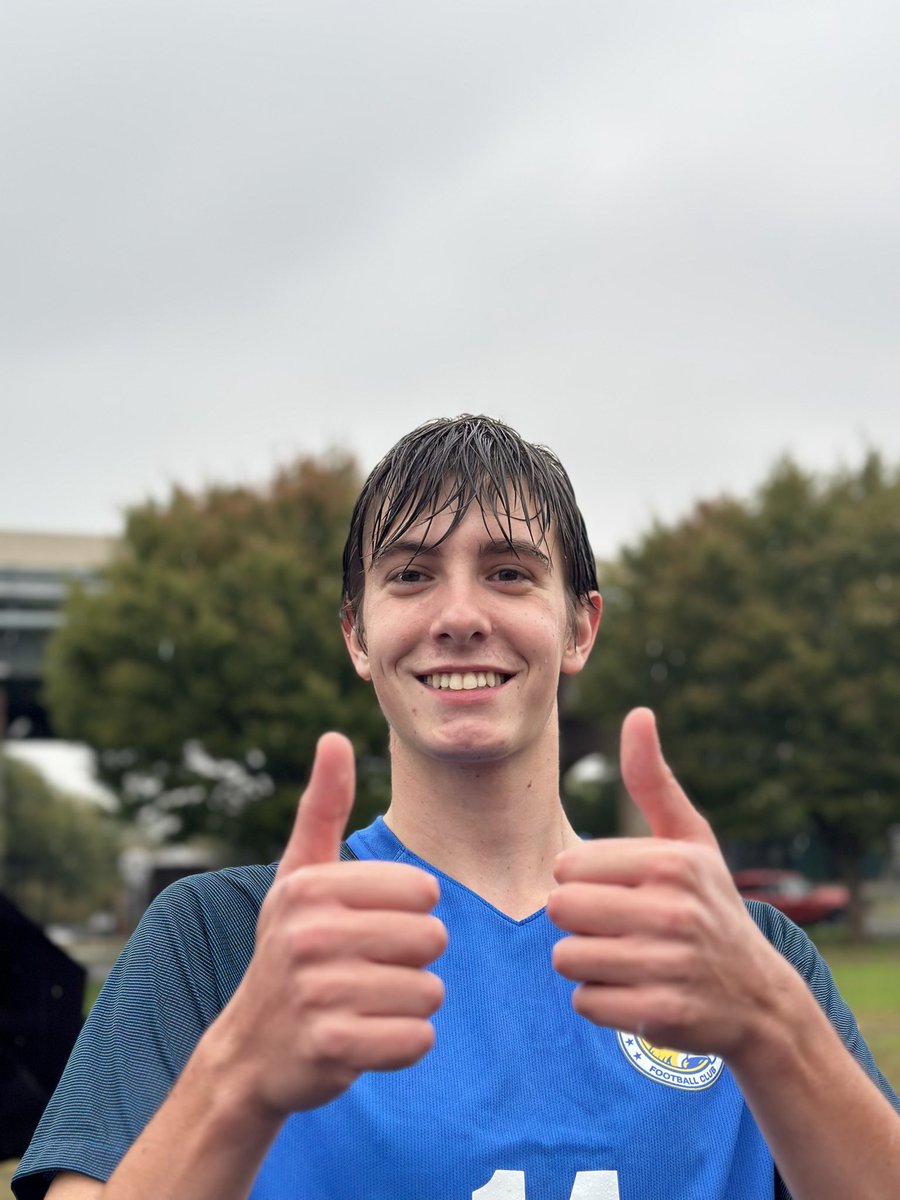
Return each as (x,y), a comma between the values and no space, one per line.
(690,1072)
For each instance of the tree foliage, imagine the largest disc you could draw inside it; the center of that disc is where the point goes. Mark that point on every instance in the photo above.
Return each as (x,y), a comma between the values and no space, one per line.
(58,853)
(211,660)
(766,636)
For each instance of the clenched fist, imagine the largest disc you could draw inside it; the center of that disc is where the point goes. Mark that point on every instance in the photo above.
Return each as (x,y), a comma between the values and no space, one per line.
(661,943)
(337,984)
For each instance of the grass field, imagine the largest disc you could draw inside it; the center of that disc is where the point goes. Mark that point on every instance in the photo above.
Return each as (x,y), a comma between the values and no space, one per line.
(868,977)
(869,980)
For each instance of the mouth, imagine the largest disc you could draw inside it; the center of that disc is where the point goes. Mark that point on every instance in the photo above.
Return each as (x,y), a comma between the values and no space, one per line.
(464,681)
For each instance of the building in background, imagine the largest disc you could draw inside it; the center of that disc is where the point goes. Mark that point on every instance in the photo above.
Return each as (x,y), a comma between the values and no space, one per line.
(36,570)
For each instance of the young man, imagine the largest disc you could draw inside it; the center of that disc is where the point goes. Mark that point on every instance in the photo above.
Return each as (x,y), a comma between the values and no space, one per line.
(309,1031)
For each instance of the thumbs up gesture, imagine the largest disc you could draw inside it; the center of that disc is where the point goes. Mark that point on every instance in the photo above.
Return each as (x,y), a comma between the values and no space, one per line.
(661,943)
(336,985)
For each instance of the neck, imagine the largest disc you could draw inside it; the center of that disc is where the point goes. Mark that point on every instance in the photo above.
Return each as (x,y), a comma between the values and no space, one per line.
(494,826)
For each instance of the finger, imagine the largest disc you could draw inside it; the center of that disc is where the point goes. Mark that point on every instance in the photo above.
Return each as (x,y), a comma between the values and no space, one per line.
(653,787)
(324,807)
(621,961)
(595,910)
(375,989)
(365,885)
(625,862)
(631,1008)
(632,862)
(592,909)
(396,938)
(612,1007)
(376,1043)
(401,992)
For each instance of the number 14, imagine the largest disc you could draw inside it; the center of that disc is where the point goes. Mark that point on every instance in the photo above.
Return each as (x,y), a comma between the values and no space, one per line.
(588,1185)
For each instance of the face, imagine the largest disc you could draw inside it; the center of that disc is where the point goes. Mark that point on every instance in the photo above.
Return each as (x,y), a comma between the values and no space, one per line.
(466,640)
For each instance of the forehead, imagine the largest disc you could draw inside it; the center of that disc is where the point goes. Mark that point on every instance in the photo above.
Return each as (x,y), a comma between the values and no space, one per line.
(488,524)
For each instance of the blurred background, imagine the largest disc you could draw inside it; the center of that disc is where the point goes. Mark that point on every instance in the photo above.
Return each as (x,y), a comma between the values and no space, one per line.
(244,248)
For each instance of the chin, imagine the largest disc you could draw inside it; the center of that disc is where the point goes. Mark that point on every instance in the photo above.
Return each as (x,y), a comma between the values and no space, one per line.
(462,750)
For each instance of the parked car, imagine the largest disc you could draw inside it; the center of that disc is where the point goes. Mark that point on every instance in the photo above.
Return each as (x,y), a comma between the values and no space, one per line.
(796,896)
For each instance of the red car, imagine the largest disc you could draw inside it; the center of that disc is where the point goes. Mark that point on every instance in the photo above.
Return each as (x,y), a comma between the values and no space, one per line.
(796,896)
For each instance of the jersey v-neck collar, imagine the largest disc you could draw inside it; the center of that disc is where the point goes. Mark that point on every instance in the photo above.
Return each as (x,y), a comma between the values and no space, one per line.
(377,841)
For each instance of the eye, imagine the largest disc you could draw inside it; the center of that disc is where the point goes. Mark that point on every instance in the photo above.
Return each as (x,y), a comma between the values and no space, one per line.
(407,575)
(510,575)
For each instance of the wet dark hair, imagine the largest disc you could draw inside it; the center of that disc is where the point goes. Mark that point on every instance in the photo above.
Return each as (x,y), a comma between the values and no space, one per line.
(449,464)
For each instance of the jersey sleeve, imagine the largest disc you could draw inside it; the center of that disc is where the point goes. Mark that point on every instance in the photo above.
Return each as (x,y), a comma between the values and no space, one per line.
(177,972)
(802,954)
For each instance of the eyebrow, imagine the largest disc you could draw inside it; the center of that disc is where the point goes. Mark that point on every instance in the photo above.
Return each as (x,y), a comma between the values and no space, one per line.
(520,547)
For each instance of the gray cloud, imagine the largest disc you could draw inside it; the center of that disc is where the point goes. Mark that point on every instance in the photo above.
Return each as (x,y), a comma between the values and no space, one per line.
(662,238)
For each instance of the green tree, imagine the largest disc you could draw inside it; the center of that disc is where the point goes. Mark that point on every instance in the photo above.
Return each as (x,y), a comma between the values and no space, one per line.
(766,635)
(59,853)
(210,661)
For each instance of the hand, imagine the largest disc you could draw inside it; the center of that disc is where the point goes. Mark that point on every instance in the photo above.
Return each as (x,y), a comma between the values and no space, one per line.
(336,985)
(661,943)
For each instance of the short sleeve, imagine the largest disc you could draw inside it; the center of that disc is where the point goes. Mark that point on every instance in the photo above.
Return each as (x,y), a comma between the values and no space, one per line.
(802,954)
(177,972)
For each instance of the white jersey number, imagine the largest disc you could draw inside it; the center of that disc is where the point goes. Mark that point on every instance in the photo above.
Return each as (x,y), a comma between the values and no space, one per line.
(588,1185)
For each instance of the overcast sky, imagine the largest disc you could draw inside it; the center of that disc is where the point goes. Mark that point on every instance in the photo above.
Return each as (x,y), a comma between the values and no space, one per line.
(663,238)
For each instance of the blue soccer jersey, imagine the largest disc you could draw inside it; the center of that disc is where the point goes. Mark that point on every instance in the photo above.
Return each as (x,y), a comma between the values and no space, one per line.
(521,1099)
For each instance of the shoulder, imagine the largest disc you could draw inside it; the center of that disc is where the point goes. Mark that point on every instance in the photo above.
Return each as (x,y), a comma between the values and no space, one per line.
(216,908)
(198,933)
(235,892)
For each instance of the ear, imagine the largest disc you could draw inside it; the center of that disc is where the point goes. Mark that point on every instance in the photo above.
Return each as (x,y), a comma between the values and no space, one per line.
(582,634)
(358,655)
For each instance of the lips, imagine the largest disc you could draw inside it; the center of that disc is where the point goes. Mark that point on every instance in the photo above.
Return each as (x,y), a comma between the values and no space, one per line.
(464,681)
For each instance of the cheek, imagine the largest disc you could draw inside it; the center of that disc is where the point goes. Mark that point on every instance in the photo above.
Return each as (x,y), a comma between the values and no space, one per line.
(386,667)
(547,640)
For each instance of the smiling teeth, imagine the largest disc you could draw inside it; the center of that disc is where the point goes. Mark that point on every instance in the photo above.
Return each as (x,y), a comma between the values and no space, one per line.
(458,682)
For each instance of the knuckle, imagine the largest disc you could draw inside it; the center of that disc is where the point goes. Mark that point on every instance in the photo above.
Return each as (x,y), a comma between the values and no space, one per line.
(668,963)
(566,956)
(439,935)
(316,990)
(556,904)
(570,901)
(431,938)
(425,1039)
(585,1000)
(312,940)
(560,954)
(671,868)
(673,1014)
(423,888)
(317,1040)
(432,988)
(331,1040)
(416,1041)
(678,919)
(307,886)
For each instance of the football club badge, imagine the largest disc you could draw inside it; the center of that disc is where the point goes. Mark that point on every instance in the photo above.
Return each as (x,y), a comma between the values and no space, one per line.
(674,1068)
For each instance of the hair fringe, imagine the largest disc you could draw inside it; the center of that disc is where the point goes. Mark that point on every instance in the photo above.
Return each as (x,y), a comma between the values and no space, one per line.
(448,464)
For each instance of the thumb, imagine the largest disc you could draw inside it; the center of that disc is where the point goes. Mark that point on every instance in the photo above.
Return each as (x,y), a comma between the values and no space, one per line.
(653,787)
(324,807)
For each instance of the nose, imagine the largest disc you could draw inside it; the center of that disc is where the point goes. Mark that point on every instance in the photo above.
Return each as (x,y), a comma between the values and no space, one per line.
(461,612)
